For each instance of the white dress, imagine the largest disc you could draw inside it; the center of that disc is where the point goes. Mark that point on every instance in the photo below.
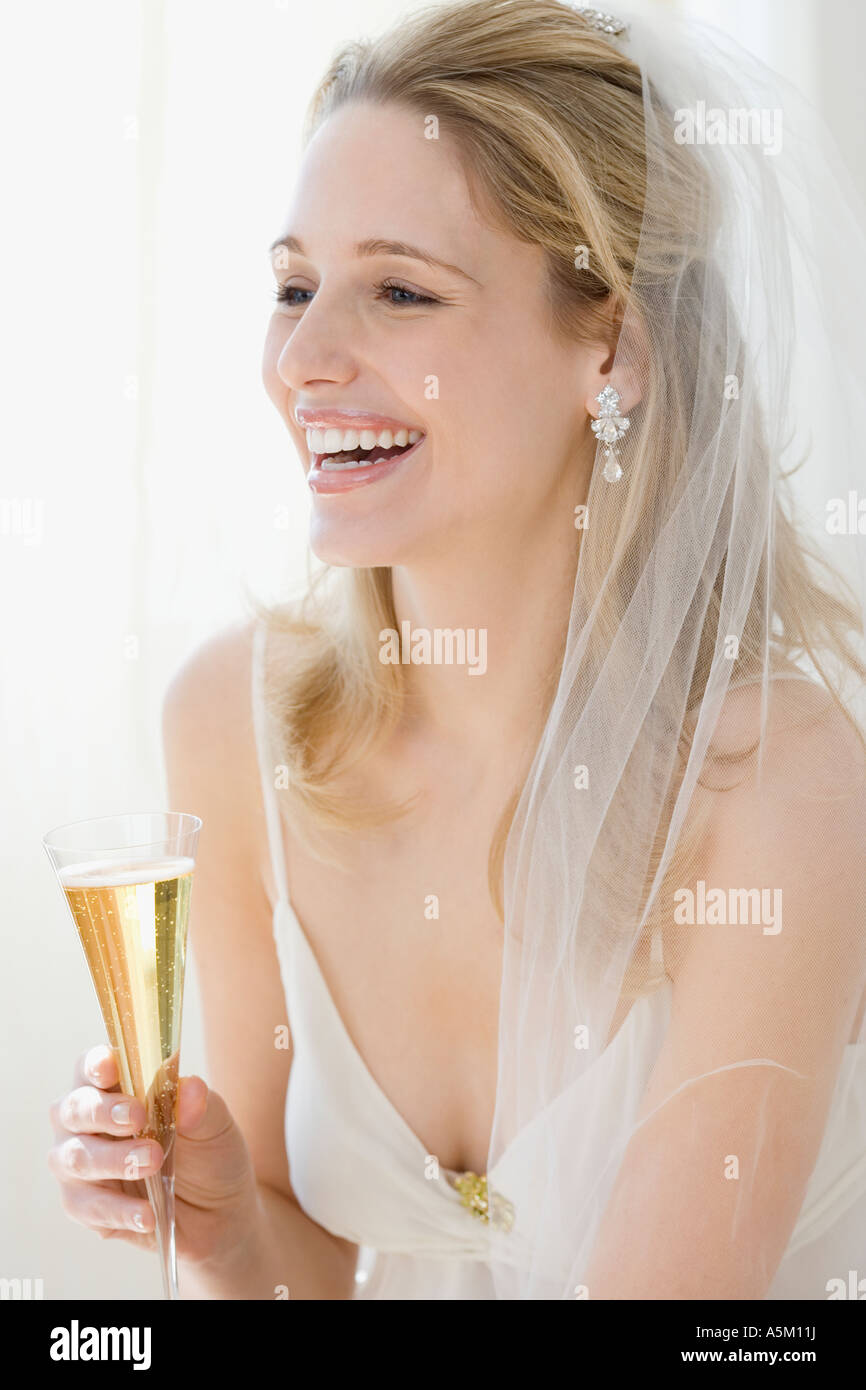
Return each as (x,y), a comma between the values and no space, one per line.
(359,1170)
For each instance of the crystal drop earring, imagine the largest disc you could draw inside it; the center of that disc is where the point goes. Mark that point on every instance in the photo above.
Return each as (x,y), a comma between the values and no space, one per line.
(608,429)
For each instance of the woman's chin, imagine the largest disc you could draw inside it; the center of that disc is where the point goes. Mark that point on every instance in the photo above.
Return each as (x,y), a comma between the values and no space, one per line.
(351,544)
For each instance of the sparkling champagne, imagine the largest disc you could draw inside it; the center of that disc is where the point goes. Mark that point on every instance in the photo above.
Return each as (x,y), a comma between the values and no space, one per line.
(127,881)
(132,920)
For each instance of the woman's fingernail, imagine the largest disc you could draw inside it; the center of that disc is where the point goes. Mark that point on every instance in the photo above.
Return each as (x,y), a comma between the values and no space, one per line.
(140,1158)
(139,1222)
(95,1057)
(120,1112)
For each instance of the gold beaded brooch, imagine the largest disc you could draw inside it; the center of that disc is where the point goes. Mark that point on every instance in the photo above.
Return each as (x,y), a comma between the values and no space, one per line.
(485,1204)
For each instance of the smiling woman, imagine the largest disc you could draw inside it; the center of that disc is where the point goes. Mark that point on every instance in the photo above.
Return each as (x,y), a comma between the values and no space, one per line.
(533,352)
(559,252)
(448,310)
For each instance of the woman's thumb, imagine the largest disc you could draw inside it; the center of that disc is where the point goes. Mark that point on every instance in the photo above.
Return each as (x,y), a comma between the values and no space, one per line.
(201,1113)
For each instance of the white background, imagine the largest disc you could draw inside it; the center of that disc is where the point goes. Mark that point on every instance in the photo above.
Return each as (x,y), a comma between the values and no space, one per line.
(145,479)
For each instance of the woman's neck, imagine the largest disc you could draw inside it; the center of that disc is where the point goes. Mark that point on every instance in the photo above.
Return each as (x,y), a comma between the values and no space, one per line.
(481,634)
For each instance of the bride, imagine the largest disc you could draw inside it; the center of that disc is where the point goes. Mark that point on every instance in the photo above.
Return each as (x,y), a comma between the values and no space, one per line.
(560,954)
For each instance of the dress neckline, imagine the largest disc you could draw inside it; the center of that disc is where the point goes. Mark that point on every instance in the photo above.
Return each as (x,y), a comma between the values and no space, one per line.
(284,905)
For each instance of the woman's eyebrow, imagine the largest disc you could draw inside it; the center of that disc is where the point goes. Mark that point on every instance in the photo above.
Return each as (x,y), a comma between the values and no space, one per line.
(376,246)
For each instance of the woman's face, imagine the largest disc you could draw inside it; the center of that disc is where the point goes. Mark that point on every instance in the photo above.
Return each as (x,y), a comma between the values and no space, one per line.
(457,349)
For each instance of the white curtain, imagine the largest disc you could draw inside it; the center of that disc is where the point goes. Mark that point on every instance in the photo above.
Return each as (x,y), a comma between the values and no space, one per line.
(149,152)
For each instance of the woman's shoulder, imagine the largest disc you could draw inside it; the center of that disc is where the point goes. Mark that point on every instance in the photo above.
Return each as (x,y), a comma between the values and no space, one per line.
(208,710)
(206,723)
(809,742)
(209,743)
(208,714)
(214,683)
(211,685)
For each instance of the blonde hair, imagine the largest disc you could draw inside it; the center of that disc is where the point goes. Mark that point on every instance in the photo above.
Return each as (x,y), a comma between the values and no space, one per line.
(547,117)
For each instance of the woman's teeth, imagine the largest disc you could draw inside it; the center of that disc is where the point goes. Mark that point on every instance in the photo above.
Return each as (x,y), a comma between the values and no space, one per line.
(332,445)
(333,441)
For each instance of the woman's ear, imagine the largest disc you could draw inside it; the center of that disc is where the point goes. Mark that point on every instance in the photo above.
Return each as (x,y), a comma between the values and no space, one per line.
(622,362)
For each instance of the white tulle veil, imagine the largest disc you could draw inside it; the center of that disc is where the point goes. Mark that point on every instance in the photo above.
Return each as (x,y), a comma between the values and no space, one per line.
(684,674)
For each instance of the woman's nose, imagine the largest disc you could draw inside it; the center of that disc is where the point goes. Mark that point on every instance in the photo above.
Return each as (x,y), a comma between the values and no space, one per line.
(318,347)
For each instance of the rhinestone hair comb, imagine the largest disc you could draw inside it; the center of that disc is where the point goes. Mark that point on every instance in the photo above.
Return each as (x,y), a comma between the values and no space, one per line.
(599,19)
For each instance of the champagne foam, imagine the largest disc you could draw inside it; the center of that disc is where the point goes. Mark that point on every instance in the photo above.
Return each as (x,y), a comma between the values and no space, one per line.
(110,874)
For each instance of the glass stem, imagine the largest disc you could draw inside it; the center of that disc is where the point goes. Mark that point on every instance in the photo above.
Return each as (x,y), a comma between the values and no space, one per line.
(160,1191)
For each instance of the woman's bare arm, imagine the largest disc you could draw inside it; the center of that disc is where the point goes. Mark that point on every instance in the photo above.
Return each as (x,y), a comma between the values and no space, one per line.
(212,771)
(684,1220)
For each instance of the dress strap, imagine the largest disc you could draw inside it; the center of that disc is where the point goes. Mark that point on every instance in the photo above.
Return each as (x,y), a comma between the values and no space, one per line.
(267,768)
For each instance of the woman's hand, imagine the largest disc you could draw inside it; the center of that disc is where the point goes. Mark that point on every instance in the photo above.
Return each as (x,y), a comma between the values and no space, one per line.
(100,1164)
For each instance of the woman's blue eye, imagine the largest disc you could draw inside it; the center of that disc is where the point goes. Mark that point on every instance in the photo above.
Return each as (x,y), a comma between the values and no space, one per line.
(284,294)
(390,286)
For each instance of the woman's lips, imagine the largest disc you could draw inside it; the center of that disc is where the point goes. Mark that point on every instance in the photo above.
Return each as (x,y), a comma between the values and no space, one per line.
(347,479)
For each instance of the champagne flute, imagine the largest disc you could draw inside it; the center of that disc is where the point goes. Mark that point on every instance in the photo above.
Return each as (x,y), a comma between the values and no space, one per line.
(127,881)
